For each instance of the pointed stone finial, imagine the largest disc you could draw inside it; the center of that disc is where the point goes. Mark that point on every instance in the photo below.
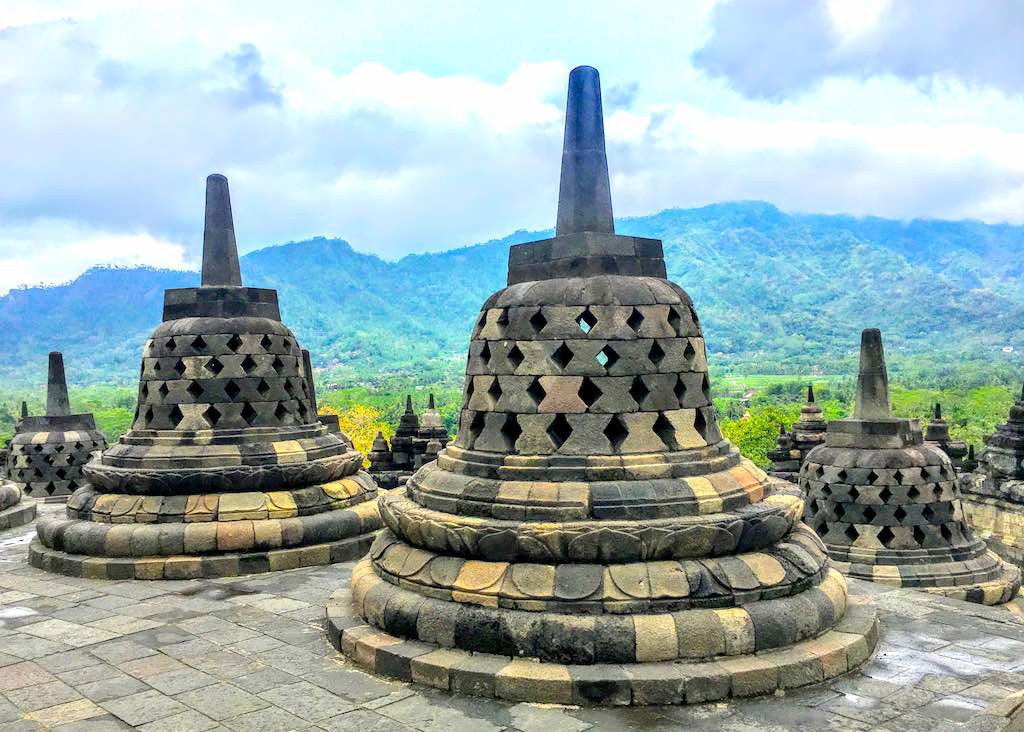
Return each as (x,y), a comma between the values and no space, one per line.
(584,192)
(1021,393)
(307,367)
(220,252)
(57,404)
(430,402)
(24,410)
(938,411)
(408,404)
(970,451)
(872,380)
(810,393)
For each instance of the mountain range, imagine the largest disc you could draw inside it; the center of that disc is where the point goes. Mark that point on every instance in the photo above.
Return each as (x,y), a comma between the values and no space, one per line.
(777,293)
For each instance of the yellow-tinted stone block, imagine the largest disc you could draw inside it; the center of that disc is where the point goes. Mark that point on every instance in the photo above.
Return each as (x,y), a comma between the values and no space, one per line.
(738,629)
(289,451)
(280,504)
(477,576)
(766,568)
(885,574)
(241,506)
(655,638)
(708,499)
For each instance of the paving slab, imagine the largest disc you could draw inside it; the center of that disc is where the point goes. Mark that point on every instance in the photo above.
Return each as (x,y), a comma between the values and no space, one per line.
(250,653)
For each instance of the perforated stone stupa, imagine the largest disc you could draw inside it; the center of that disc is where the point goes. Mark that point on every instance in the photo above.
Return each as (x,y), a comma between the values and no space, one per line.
(887,506)
(993,496)
(46,455)
(416,441)
(227,469)
(590,537)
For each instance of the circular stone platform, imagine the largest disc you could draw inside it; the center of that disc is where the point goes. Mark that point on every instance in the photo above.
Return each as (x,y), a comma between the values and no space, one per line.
(14,511)
(812,661)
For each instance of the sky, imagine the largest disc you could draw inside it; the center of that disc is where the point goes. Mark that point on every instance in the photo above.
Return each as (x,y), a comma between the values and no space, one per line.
(407,126)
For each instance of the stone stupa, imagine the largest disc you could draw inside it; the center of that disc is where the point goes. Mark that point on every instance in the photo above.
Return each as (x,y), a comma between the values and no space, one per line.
(887,506)
(792,448)
(47,453)
(227,469)
(589,536)
(993,495)
(936,434)
(785,457)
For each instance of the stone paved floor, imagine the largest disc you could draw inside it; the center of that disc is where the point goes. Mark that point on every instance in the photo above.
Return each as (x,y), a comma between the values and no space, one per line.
(249,653)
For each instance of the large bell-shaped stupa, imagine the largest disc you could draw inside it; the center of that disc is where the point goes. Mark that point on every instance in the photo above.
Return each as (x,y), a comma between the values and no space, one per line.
(590,537)
(227,468)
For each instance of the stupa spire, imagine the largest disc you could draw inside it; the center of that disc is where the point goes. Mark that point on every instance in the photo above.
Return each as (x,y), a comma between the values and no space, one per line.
(430,402)
(57,404)
(872,380)
(810,393)
(24,410)
(408,404)
(220,252)
(938,410)
(584,193)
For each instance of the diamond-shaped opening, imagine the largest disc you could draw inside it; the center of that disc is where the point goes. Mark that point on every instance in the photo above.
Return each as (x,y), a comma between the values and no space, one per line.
(289,387)
(179,367)
(214,366)
(232,390)
(249,414)
(302,409)
(616,432)
(212,415)
(851,533)
(485,353)
(665,431)
(156,366)
(826,490)
(638,390)
(635,320)
(928,513)
(248,363)
(286,343)
(872,476)
(885,494)
(199,343)
(919,535)
(144,391)
(674,320)
(194,389)
(559,430)
(700,424)
(689,353)
(171,344)
(234,342)
(937,492)
(58,448)
(502,321)
(515,357)
(913,492)
(898,476)
(494,391)
(175,415)
(538,321)
(946,532)
(278,365)
(841,475)
(147,418)
(854,493)
(61,473)
(470,388)
(705,388)
(656,354)
(899,514)
(510,431)
(481,322)
(586,320)
(266,342)
(680,390)
(589,392)
(476,427)
(162,390)
(885,536)
(281,412)
(693,316)
(536,391)
(869,514)
(814,506)
(263,387)
(607,357)
(562,356)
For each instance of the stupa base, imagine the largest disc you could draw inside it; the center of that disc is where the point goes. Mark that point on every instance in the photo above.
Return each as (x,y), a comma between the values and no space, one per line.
(16,511)
(212,549)
(995,591)
(813,661)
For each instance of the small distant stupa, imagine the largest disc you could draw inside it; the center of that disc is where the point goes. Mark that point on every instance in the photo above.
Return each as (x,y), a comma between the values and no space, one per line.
(47,453)
(936,434)
(793,447)
(411,446)
(887,506)
(227,469)
(993,494)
